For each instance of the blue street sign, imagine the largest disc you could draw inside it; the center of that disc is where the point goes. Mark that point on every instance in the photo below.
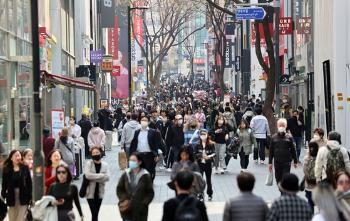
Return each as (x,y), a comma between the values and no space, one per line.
(256,13)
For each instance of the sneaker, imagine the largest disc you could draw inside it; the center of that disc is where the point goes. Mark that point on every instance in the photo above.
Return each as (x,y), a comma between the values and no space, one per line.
(169,170)
(262,162)
(256,161)
(161,167)
(222,171)
(216,171)
(210,198)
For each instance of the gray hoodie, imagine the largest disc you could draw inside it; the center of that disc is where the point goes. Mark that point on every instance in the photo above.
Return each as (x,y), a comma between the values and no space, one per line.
(128,132)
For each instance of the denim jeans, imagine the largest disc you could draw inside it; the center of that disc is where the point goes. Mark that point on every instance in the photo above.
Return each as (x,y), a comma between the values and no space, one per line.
(260,149)
(220,150)
(297,141)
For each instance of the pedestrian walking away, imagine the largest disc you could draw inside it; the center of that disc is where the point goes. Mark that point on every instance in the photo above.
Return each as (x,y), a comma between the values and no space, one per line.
(65,193)
(66,146)
(246,206)
(97,173)
(16,186)
(260,127)
(184,205)
(296,128)
(135,190)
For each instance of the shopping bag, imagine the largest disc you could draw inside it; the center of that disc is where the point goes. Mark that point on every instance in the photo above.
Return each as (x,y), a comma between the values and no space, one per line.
(122,160)
(269,179)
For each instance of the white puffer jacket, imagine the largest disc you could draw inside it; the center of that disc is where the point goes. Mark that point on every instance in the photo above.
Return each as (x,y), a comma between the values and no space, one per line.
(321,159)
(42,210)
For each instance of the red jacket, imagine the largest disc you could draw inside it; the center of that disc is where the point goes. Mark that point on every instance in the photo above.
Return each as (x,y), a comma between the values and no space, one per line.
(49,179)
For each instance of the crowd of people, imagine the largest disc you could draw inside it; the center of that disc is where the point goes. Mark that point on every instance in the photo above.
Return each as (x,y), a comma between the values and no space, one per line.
(185,132)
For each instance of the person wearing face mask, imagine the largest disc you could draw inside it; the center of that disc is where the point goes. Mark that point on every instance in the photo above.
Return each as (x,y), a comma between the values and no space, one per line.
(163,125)
(74,129)
(97,173)
(146,142)
(221,135)
(205,153)
(282,151)
(296,128)
(319,137)
(175,138)
(122,123)
(135,190)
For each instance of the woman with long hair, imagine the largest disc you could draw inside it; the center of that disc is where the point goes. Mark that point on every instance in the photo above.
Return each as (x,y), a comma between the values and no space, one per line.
(135,190)
(97,172)
(54,159)
(329,207)
(65,193)
(16,186)
(221,135)
(205,153)
(27,159)
(188,115)
(185,160)
(66,145)
(246,141)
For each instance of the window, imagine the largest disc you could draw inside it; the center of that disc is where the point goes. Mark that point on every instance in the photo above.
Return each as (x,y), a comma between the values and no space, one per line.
(3,102)
(3,44)
(3,12)
(11,15)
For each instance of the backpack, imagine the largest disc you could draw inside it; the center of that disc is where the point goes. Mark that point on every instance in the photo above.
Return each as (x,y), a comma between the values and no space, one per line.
(187,210)
(310,171)
(335,163)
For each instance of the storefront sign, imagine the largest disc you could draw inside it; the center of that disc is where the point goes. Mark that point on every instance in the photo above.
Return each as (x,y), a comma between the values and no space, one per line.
(116,71)
(57,122)
(107,64)
(304,25)
(96,56)
(113,39)
(237,63)
(103,103)
(286,26)
(228,54)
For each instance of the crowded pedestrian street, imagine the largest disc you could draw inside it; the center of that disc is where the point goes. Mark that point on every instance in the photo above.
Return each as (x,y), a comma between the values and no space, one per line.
(174,110)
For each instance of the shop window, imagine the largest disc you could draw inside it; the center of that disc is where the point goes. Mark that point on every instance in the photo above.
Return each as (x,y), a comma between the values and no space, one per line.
(3,103)
(3,44)
(11,14)
(3,12)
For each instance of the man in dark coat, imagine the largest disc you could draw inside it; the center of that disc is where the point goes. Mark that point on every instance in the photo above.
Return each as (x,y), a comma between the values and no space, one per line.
(296,128)
(282,151)
(86,126)
(175,138)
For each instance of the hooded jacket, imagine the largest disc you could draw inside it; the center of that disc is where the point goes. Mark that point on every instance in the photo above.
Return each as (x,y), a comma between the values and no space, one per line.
(96,137)
(321,159)
(129,132)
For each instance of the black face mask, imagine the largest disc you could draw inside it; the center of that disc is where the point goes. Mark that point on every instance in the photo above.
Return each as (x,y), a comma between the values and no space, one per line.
(96,157)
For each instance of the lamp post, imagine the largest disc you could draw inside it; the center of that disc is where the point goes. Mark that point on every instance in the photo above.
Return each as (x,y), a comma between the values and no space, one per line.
(129,48)
(35,133)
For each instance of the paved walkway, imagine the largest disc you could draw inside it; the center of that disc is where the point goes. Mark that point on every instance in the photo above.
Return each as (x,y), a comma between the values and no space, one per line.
(224,187)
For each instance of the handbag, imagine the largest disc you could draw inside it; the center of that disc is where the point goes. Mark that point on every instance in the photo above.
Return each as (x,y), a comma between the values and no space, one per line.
(3,210)
(269,179)
(124,206)
(83,188)
(122,160)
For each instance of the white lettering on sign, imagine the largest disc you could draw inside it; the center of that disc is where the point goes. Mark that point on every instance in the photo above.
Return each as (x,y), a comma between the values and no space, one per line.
(107,3)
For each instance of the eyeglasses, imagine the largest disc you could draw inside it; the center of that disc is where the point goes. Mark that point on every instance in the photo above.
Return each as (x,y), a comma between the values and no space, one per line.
(343,182)
(61,172)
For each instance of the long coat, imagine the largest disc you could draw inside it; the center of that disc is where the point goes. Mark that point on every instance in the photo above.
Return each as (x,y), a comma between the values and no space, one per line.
(140,198)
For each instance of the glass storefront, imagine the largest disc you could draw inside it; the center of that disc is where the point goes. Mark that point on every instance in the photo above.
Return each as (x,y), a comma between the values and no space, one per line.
(15,72)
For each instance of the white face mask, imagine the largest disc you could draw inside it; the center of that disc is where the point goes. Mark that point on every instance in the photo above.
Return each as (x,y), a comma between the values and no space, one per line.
(144,124)
(204,137)
(317,137)
(281,129)
(220,122)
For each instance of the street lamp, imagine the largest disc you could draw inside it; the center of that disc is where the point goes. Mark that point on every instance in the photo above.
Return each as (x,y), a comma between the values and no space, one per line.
(129,48)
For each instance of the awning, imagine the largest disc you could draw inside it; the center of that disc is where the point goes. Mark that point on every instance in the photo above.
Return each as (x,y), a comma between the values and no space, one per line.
(66,81)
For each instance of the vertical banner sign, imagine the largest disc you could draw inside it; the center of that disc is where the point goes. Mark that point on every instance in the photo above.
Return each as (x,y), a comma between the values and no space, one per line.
(238,63)
(286,26)
(107,13)
(228,54)
(113,39)
(57,122)
(119,76)
(304,25)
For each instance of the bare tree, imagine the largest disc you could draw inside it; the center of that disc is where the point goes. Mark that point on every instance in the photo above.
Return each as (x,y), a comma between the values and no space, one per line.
(268,68)
(163,26)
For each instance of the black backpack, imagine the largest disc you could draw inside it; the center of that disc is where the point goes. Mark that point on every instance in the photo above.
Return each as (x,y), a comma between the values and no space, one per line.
(187,210)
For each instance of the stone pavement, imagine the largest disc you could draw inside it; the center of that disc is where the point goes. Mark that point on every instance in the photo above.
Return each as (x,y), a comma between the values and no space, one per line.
(224,187)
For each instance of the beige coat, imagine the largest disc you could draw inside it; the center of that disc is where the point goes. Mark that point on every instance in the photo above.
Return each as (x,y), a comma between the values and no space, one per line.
(94,178)
(321,159)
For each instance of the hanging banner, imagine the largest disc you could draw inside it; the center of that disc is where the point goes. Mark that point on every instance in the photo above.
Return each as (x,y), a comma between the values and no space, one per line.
(304,25)
(228,54)
(107,13)
(57,122)
(286,26)
(113,39)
